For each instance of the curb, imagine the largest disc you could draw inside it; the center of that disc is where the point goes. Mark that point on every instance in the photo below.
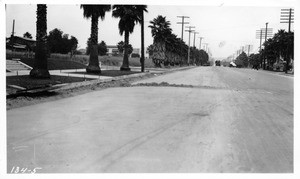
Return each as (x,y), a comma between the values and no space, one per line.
(98,81)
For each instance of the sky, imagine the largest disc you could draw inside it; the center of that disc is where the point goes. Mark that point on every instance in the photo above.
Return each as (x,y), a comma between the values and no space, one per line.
(224,26)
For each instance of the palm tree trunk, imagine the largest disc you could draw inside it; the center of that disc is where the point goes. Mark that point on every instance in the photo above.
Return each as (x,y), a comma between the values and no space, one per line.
(142,44)
(40,69)
(93,66)
(125,65)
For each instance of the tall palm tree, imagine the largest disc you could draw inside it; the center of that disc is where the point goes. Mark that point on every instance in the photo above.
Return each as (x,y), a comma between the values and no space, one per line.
(128,18)
(40,69)
(140,10)
(160,29)
(94,12)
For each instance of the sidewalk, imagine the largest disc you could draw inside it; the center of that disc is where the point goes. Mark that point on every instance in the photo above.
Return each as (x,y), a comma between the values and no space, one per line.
(289,74)
(96,79)
(71,72)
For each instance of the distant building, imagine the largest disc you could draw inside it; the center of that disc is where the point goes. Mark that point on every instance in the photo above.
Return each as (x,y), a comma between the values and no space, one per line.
(20,43)
(112,50)
(136,50)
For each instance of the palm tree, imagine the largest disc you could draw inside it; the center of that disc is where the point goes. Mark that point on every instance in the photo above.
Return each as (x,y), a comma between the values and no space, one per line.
(40,69)
(160,30)
(140,10)
(94,12)
(128,17)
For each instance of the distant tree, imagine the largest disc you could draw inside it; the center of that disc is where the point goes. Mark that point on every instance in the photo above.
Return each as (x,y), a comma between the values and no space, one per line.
(73,45)
(54,40)
(65,45)
(203,57)
(58,42)
(27,35)
(254,60)
(102,48)
(242,60)
(120,46)
(129,49)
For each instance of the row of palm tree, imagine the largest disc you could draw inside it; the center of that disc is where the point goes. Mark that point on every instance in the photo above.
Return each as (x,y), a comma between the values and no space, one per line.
(129,16)
(168,49)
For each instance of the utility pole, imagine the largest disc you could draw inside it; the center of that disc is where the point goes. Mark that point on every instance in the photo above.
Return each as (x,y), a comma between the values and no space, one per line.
(13,28)
(290,20)
(259,35)
(287,13)
(200,42)
(142,59)
(249,49)
(182,22)
(205,47)
(260,41)
(195,37)
(265,42)
(12,36)
(189,50)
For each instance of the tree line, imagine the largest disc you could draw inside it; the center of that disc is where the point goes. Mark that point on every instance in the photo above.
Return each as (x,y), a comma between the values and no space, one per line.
(168,49)
(102,48)
(58,42)
(129,16)
(278,53)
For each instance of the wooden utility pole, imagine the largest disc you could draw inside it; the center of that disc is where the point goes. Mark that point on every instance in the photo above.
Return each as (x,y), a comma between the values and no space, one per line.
(265,42)
(195,37)
(189,50)
(142,44)
(12,36)
(287,13)
(287,16)
(182,24)
(200,42)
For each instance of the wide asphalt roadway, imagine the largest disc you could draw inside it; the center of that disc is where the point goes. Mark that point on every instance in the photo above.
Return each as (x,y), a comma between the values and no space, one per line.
(229,120)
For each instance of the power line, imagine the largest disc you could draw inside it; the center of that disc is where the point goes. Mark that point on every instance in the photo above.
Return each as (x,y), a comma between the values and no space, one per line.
(182,22)
(287,16)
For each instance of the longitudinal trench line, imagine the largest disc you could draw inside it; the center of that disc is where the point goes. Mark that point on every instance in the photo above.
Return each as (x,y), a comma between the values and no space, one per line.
(166,84)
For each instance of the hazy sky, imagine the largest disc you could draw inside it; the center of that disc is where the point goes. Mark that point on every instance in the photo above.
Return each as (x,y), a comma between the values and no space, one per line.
(225,26)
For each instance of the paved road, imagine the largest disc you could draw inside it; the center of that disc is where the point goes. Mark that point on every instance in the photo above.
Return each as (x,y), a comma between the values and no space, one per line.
(229,120)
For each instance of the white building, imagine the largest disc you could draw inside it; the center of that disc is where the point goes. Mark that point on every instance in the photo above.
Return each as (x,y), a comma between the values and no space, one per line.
(112,49)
